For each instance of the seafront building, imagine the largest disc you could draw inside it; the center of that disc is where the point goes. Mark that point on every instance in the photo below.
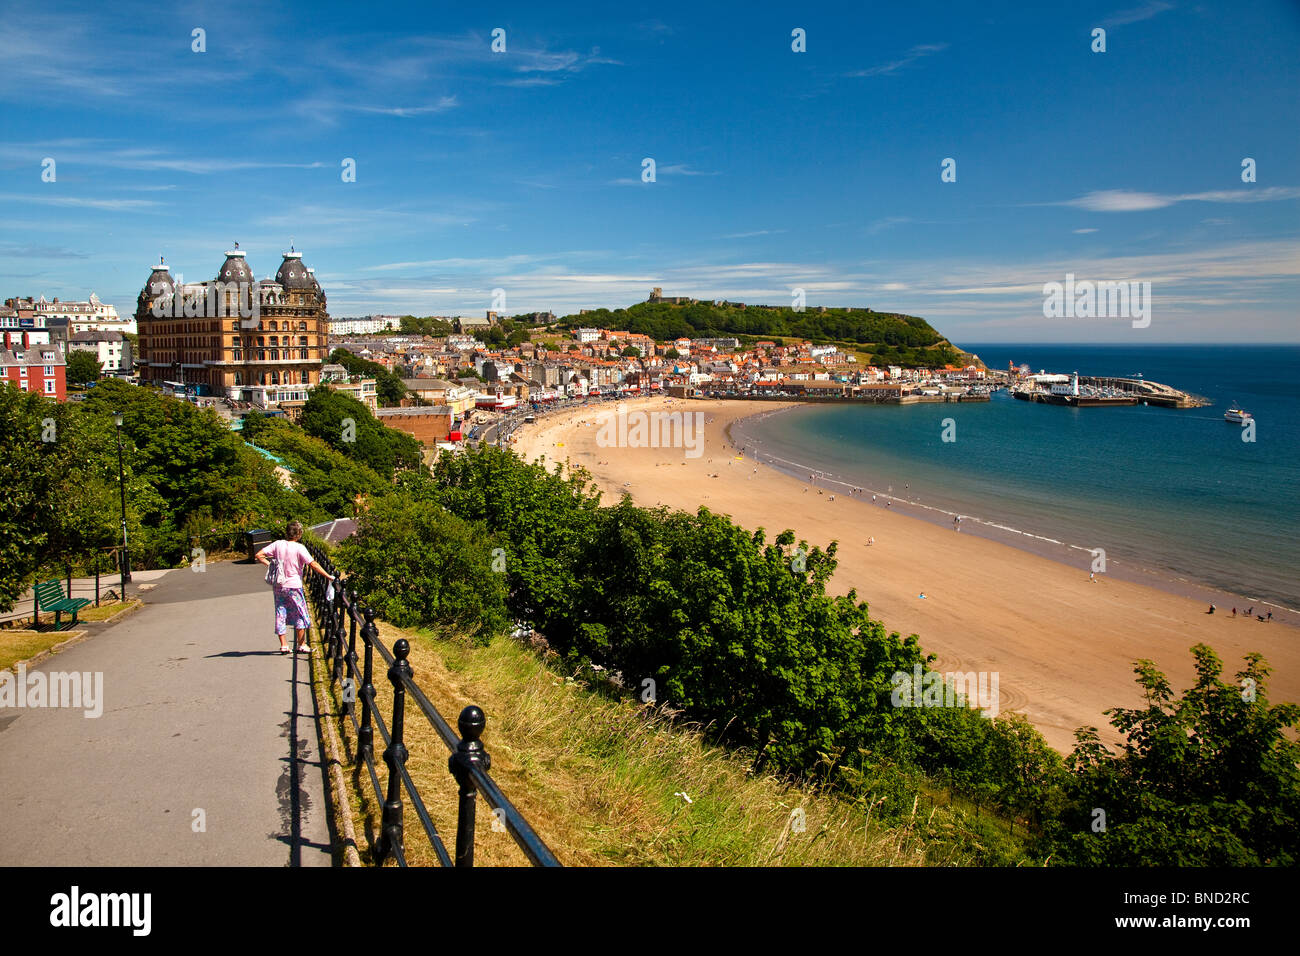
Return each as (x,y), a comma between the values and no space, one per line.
(197,339)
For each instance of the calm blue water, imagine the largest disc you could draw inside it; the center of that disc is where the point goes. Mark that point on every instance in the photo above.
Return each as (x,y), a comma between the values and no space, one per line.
(1174,493)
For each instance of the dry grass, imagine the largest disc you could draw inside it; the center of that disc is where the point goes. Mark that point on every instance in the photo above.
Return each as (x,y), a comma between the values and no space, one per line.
(107,610)
(601,779)
(17,645)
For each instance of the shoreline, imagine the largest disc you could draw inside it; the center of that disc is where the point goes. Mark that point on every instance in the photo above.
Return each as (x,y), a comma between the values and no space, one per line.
(1042,546)
(1065,647)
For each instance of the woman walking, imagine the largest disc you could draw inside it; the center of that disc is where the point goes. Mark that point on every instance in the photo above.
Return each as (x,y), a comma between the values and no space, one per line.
(291,557)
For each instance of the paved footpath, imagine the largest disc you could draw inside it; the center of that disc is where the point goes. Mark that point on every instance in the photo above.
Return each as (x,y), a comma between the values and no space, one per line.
(200,712)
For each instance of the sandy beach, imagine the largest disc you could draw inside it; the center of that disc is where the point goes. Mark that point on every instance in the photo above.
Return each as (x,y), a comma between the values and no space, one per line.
(1063,646)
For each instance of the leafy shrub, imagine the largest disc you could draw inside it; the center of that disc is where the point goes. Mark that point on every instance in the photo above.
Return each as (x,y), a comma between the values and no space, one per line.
(419,565)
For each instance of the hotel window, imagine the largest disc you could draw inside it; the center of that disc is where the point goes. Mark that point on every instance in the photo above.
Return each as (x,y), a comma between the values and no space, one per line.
(302,326)
(273,325)
(49,370)
(302,341)
(49,386)
(305,380)
(22,370)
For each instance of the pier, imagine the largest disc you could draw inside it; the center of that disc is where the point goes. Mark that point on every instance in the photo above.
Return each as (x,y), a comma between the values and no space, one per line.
(1095,391)
(1149,393)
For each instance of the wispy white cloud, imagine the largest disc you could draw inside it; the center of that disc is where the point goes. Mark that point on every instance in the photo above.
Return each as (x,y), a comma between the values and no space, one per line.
(1136,14)
(105,153)
(444,103)
(81,202)
(915,53)
(1125,200)
(673,169)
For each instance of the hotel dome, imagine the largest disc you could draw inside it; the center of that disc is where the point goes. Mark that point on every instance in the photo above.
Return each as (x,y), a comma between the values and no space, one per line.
(293,274)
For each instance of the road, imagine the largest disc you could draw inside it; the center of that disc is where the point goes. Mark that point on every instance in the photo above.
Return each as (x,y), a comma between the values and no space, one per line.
(206,753)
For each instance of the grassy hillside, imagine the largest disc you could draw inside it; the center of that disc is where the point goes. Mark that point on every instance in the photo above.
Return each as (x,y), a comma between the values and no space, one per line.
(601,778)
(887,337)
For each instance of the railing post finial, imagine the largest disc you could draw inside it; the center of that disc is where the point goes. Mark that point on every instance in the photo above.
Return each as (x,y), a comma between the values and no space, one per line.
(469,752)
(395,755)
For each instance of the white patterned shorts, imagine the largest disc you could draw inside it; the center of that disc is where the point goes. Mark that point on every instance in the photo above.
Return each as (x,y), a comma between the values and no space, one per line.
(290,610)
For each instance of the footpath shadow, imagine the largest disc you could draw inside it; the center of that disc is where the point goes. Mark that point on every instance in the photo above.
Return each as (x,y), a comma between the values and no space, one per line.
(295,801)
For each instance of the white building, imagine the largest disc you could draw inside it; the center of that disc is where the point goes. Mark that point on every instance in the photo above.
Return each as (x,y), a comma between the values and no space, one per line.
(368,325)
(16,323)
(586,336)
(89,316)
(112,349)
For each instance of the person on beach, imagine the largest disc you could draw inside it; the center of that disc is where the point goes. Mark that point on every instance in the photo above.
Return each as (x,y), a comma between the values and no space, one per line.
(1234,612)
(290,602)
(1270,617)
(1092,577)
(1211,610)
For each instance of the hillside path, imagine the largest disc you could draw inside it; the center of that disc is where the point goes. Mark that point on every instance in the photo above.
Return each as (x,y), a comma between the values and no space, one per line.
(201,712)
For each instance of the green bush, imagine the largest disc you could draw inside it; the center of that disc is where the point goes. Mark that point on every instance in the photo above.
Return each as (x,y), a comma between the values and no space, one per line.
(419,565)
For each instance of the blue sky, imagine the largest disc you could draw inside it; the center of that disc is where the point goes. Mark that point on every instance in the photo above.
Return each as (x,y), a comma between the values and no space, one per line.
(522,170)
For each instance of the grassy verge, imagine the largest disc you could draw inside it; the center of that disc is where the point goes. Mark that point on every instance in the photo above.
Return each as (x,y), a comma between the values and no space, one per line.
(105,612)
(16,645)
(108,610)
(605,781)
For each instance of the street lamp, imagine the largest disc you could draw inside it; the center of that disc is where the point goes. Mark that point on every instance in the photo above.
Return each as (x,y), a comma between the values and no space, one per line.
(121,483)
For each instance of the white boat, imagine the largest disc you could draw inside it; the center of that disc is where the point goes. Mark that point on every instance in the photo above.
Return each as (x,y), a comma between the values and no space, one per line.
(1235,414)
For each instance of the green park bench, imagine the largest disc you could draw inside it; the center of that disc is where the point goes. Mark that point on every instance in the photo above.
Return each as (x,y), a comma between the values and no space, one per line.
(49,595)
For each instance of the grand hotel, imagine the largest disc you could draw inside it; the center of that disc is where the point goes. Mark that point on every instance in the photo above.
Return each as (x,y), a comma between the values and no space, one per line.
(271,355)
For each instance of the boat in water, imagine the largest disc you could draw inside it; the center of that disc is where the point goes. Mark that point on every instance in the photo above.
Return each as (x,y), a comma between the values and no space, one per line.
(1237,415)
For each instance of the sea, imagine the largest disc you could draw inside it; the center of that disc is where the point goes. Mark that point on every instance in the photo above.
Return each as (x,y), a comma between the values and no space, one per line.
(1170,497)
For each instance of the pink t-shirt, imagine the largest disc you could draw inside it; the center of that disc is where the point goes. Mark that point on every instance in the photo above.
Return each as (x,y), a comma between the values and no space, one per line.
(293,557)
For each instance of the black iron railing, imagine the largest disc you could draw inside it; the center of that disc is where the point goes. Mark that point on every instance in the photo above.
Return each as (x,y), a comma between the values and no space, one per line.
(340,622)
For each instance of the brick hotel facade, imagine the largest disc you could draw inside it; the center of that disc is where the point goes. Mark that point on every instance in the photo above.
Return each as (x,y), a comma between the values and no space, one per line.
(275,363)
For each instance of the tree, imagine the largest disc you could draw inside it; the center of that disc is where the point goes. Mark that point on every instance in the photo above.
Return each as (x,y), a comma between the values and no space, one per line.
(419,565)
(630,351)
(1208,779)
(347,426)
(672,354)
(388,387)
(328,478)
(83,366)
(184,472)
